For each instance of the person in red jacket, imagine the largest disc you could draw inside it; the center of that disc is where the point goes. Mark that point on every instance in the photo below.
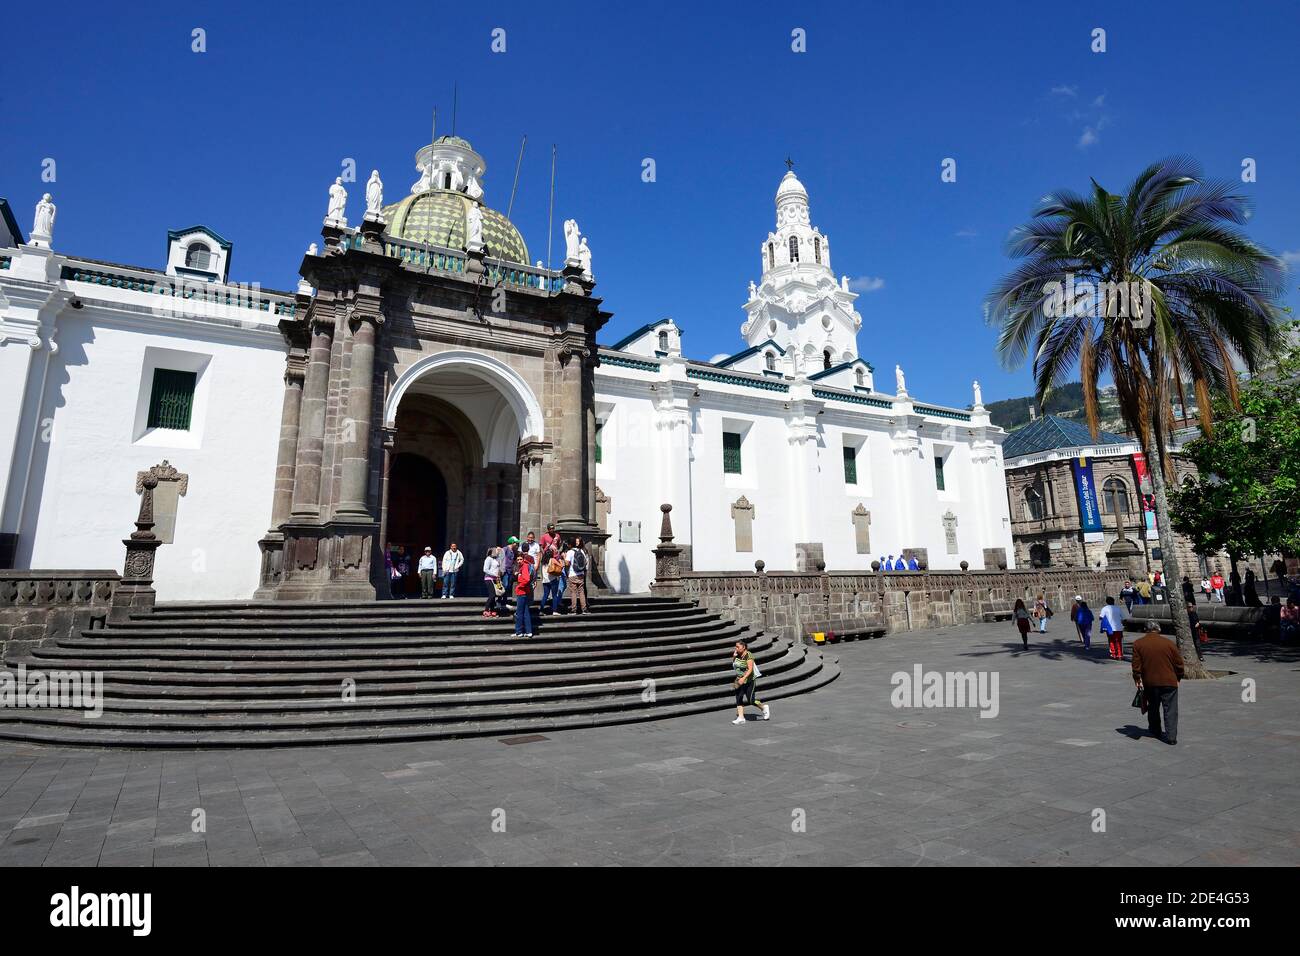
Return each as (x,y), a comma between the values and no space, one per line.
(523,594)
(1216,585)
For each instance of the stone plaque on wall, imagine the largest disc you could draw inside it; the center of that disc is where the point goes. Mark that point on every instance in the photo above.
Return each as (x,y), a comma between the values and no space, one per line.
(742,512)
(629,532)
(950,531)
(862,529)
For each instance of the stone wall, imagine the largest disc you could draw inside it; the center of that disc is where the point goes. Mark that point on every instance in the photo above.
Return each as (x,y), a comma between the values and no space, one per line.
(795,603)
(37,606)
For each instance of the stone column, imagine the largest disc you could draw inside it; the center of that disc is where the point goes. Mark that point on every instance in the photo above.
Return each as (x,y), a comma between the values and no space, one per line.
(570,486)
(290,419)
(135,593)
(311,434)
(356,427)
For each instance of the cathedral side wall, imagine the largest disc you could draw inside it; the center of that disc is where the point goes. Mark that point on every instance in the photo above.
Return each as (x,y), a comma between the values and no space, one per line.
(83,480)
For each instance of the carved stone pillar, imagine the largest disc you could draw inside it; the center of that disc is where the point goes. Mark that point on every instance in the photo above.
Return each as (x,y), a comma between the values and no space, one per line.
(272,544)
(356,426)
(311,433)
(668,581)
(135,593)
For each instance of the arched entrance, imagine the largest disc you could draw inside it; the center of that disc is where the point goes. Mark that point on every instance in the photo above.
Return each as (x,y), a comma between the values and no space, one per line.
(417,509)
(454,462)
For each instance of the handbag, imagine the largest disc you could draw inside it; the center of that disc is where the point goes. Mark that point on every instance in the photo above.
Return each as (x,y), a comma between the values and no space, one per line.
(499,588)
(1140,700)
(555,566)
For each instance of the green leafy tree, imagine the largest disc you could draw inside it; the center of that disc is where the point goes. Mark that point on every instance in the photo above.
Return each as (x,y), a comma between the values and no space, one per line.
(1156,287)
(1245,498)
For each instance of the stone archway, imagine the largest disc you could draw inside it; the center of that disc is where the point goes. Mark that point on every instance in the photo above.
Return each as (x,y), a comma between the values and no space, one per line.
(459,419)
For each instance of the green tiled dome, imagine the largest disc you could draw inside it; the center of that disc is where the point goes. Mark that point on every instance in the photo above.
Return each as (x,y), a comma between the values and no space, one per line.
(438,218)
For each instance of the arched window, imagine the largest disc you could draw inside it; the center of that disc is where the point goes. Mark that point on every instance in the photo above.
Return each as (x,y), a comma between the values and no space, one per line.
(1033,504)
(861,377)
(826,359)
(198,256)
(663,341)
(1114,497)
(770,358)
(794,249)
(817,249)
(771,256)
(1040,555)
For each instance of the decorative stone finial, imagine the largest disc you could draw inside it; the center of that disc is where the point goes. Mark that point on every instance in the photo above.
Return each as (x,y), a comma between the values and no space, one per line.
(759,565)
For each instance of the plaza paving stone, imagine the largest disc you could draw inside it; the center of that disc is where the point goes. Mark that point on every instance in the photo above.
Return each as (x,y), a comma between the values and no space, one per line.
(876,785)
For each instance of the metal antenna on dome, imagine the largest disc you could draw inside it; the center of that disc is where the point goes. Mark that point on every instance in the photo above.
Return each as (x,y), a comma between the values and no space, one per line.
(550,213)
(518,163)
(455,90)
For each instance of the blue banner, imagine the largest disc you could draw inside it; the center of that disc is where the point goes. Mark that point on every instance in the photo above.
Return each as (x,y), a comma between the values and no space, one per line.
(1089,508)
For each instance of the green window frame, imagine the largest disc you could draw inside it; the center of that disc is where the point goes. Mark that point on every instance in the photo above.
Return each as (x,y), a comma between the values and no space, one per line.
(171,402)
(938,473)
(731,453)
(850,465)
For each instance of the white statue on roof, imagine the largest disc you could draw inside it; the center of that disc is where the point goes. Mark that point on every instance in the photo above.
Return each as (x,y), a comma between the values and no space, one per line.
(472,188)
(571,235)
(374,196)
(584,257)
(899,380)
(43,225)
(338,203)
(979,395)
(474,228)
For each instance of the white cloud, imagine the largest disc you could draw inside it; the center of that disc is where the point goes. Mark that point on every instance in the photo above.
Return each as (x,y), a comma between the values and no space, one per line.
(1291,258)
(1088,137)
(866,284)
(1064,90)
(965,233)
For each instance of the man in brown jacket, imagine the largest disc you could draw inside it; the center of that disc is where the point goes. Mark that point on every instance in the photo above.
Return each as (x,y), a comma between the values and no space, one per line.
(1157,669)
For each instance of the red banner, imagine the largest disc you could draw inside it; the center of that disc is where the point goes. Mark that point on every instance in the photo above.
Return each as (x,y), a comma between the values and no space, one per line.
(1145,496)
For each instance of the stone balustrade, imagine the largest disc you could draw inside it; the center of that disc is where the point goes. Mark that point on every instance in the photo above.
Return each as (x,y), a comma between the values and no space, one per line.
(37,606)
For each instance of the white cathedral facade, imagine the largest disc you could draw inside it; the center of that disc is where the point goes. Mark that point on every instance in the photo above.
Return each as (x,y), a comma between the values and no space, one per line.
(317,434)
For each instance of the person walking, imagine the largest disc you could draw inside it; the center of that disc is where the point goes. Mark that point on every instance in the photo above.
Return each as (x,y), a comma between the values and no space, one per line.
(492,578)
(550,568)
(1021,617)
(428,569)
(1041,613)
(1216,585)
(1198,630)
(1205,588)
(1251,591)
(1112,623)
(1127,594)
(1189,592)
(577,562)
(1083,619)
(1157,669)
(509,555)
(452,560)
(746,682)
(523,595)
(1144,591)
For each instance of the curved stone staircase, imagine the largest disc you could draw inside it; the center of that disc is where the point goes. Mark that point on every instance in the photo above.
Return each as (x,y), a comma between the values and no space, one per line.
(275,674)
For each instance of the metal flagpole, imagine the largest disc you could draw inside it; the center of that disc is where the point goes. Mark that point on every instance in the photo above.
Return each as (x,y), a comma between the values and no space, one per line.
(550,215)
(518,163)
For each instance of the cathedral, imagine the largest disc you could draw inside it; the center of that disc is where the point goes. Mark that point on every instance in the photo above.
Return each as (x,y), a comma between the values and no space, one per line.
(426,383)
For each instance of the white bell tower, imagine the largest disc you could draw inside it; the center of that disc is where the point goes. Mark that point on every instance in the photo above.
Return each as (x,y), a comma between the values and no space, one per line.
(797,302)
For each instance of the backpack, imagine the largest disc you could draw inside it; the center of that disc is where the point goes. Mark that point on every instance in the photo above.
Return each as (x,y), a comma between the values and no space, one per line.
(525,576)
(578,565)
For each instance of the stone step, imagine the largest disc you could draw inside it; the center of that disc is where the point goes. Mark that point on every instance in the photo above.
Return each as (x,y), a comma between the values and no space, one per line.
(241,674)
(434,693)
(153,731)
(273,648)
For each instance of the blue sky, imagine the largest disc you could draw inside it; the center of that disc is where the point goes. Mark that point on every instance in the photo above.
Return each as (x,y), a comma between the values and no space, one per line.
(246,137)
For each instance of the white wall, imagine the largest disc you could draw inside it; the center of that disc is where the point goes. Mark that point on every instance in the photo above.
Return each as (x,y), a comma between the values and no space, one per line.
(83,483)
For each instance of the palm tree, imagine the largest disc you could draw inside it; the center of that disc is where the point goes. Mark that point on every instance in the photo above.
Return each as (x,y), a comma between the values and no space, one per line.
(1157,287)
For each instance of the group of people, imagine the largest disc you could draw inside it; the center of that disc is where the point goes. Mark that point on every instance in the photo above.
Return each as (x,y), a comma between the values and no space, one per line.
(899,564)
(513,571)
